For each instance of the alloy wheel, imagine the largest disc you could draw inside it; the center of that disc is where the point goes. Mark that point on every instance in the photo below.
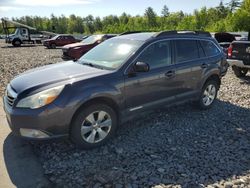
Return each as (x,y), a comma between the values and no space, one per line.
(209,95)
(96,127)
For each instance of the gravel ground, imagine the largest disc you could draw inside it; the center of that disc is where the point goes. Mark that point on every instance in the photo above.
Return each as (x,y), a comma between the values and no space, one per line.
(174,147)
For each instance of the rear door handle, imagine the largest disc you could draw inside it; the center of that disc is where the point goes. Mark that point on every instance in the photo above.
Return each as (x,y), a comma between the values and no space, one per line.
(204,66)
(170,74)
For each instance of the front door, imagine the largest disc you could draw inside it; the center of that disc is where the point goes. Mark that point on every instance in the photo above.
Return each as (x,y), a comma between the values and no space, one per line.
(147,89)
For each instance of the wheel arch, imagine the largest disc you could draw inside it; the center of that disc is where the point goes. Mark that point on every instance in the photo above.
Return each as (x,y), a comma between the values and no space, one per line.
(214,77)
(100,100)
(16,39)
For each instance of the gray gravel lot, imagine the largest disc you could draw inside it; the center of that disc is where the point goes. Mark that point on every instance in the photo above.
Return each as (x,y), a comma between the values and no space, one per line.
(173,147)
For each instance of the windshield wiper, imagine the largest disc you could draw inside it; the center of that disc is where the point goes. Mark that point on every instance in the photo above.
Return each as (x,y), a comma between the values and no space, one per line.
(89,64)
(92,65)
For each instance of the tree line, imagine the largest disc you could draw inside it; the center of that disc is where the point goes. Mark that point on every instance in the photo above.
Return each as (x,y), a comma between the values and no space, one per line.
(233,16)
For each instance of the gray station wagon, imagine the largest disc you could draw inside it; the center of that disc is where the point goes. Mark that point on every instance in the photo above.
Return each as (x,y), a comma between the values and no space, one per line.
(119,79)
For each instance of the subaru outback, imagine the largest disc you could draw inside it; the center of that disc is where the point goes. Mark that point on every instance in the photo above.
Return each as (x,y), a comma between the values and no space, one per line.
(119,79)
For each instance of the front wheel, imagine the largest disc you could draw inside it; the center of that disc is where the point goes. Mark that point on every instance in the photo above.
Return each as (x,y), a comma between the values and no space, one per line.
(208,94)
(53,46)
(239,72)
(16,43)
(93,126)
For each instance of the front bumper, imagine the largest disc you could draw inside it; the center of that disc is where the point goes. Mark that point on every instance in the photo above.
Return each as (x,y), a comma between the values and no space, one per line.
(49,120)
(46,44)
(237,63)
(8,40)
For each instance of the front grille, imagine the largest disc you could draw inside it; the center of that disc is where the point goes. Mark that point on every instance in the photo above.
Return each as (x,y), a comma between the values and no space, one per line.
(10,96)
(10,100)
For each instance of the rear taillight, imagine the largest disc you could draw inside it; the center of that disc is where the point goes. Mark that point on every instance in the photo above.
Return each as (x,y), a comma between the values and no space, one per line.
(230,51)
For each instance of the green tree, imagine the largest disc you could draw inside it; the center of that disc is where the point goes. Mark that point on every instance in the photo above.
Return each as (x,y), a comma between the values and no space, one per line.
(223,11)
(98,24)
(165,11)
(150,16)
(241,17)
(233,5)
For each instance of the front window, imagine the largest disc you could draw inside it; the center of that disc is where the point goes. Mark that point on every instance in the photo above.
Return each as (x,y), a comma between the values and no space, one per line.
(112,53)
(157,55)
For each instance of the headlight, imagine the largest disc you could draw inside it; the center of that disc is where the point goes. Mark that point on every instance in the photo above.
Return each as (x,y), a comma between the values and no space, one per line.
(40,99)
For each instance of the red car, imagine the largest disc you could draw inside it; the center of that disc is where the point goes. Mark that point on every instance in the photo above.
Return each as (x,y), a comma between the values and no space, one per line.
(76,50)
(59,40)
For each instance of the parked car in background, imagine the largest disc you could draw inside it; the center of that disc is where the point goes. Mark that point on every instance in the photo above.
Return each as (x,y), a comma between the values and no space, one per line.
(76,50)
(224,39)
(60,40)
(239,57)
(117,80)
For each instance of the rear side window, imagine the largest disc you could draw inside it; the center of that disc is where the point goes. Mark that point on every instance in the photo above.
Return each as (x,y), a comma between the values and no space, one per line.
(186,50)
(210,48)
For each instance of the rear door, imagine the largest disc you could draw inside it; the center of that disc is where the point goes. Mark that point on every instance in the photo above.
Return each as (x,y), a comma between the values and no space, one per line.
(71,39)
(216,60)
(66,40)
(189,67)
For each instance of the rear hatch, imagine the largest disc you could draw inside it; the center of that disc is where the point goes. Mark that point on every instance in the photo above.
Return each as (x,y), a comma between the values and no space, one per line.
(241,51)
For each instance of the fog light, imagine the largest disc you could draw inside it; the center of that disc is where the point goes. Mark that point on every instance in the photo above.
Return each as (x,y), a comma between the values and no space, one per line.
(32,133)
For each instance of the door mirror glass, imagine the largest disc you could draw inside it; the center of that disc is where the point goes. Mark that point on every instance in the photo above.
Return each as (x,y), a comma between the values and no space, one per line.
(141,67)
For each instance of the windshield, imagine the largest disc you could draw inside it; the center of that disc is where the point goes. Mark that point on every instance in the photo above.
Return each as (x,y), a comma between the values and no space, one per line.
(112,53)
(55,37)
(92,39)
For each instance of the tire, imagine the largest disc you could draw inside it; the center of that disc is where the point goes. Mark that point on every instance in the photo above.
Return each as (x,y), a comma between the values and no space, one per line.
(208,94)
(87,132)
(53,46)
(16,43)
(239,72)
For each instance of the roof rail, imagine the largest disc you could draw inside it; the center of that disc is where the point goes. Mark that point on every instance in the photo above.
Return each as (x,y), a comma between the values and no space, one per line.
(129,32)
(174,32)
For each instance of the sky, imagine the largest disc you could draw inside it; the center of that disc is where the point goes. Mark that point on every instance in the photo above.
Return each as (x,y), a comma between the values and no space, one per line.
(18,8)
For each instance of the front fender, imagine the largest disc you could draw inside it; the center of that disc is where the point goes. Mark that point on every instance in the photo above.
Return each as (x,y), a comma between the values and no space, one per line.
(81,95)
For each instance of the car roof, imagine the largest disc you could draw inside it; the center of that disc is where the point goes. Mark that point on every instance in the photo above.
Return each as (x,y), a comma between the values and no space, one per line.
(66,35)
(161,35)
(137,36)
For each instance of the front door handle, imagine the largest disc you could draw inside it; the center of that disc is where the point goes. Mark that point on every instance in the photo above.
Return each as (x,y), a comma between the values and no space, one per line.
(170,74)
(204,66)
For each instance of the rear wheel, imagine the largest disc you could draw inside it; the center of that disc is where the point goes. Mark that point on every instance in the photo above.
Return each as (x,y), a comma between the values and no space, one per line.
(93,126)
(239,72)
(208,94)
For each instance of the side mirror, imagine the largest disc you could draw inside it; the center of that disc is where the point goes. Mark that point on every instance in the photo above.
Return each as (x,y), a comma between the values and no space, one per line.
(141,67)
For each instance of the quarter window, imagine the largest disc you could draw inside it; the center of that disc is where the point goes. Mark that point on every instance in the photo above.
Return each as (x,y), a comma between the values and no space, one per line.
(186,50)
(157,55)
(209,48)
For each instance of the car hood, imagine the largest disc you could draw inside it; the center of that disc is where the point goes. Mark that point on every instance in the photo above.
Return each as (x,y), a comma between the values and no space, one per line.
(47,40)
(51,74)
(11,36)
